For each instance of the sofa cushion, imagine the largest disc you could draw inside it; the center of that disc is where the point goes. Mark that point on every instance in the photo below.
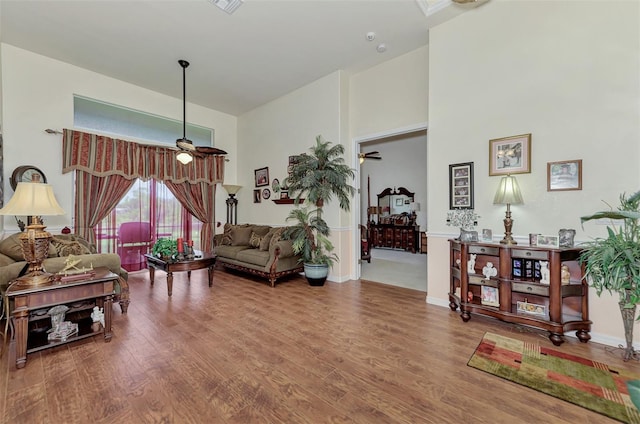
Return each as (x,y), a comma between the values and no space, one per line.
(230,252)
(261,230)
(253,256)
(255,240)
(240,236)
(12,247)
(227,235)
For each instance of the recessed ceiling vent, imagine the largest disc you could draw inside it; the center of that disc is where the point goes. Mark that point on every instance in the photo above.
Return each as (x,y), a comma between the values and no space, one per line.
(228,6)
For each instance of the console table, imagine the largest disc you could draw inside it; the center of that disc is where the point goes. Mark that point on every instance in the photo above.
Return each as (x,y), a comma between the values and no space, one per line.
(519,290)
(30,305)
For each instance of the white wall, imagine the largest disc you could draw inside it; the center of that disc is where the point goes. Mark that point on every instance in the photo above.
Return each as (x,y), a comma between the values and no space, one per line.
(390,95)
(288,126)
(569,76)
(37,93)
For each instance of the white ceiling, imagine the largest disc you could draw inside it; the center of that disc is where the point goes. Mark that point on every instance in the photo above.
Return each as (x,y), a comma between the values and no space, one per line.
(266,49)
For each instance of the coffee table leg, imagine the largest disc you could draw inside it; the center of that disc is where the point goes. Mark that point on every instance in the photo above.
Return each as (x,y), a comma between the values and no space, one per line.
(189,275)
(210,270)
(152,273)
(170,282)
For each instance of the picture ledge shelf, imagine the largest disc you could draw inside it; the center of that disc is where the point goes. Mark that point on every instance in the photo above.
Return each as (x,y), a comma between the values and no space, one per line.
(286,201)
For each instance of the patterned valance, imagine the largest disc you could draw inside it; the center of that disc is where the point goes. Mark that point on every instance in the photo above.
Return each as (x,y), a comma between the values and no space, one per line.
(101,155)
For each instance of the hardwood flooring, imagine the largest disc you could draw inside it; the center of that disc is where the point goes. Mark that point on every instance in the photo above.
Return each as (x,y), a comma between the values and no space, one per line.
(243,352)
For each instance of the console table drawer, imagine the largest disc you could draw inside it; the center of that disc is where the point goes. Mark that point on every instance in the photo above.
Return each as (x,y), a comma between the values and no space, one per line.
(530,254)
(484,250)
(530,288)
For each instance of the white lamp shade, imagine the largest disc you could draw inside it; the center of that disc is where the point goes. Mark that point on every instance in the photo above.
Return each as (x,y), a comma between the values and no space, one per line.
(508,192)
(33,199)
(414,206)
(231,189)
(184,157)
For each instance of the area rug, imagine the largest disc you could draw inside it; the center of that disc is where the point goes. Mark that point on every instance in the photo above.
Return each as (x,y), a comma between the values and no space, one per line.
(593,385)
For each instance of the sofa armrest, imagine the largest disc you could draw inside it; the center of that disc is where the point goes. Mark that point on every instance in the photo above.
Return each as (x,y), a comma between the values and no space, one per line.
(217,239)
(284,249)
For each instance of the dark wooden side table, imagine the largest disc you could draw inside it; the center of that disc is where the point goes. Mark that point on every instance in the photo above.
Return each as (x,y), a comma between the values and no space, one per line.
(30,305)
(202,260)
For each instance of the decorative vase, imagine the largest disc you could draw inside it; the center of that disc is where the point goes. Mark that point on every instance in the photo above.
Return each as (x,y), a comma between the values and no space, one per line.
(628,319)
(316,273)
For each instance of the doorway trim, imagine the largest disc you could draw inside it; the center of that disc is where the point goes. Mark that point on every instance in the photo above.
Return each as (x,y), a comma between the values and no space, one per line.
(356,266)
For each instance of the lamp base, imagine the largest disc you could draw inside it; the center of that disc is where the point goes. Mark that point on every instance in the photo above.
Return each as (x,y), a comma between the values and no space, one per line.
(34,279)
(508,241)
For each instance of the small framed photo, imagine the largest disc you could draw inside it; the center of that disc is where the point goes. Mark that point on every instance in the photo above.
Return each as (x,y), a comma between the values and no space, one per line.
(284,194)
(532,308)
(461,186)
(533,239)
(564,175)
(487,234)
(257,196)
(548,241)
(489,296)
(292,160)
(510,155)
(262,177)
(399,202)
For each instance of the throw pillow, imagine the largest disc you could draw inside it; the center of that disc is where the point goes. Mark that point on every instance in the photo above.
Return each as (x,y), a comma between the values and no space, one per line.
(277,235)
(255,240)
(240,236)
(69,247)
(226,235)
(266,240)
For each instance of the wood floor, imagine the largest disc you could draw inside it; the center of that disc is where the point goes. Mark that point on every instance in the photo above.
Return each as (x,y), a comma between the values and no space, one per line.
(243,352)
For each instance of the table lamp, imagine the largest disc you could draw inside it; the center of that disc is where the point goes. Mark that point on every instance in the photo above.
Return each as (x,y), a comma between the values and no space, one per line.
(414,207)
(508,194)
(34,199)
(232,202)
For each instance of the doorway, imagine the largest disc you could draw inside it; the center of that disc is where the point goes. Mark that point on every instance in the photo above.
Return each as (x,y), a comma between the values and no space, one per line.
(403,164)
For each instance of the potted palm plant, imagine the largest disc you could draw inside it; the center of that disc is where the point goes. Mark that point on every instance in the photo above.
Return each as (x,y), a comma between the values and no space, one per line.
(317,176)
(613,263)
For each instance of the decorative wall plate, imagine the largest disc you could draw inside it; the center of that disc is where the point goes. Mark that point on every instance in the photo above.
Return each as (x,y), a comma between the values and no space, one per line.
(266,193)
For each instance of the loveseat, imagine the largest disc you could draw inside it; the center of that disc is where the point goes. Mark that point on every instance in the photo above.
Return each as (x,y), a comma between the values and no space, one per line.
(12,263)
(256,249)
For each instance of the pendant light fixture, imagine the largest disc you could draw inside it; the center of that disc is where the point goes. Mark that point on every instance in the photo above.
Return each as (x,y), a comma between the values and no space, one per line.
(184,144)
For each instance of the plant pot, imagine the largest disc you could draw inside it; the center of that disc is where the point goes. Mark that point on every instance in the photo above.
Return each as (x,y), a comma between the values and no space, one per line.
(628,319)
(316,273)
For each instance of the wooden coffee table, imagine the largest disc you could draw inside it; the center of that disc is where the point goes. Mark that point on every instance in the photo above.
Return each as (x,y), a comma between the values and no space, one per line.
(202,260)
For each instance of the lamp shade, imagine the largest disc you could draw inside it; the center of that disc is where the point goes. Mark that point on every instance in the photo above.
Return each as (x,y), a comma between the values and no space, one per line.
(414,206)
(33,199)
(508,192)
(231,189)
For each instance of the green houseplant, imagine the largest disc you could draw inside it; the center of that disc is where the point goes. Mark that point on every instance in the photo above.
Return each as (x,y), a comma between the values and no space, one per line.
(165,249)
(613,263)
(317,176)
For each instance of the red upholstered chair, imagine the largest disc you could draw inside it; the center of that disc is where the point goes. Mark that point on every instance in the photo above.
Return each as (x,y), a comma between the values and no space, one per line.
(134,240)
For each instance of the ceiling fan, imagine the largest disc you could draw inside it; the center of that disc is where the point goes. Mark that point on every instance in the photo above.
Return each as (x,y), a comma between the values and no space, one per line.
(370,155)
(187,149)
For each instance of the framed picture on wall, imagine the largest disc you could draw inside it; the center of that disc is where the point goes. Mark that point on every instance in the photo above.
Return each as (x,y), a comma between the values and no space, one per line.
(461,186)
(510,155)
(564,175)
(262,177)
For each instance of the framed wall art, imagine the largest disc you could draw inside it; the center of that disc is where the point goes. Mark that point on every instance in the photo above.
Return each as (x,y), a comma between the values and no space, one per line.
(262,177)
(461,186)
(510,155)
(257,196)
(564,175)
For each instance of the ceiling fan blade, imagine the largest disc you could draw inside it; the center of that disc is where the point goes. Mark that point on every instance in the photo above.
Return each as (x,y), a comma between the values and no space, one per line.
(371,153)
(209,150)
(373,157)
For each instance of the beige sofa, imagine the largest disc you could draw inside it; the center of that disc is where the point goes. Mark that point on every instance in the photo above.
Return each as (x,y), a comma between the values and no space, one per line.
(256,249)
(12,263)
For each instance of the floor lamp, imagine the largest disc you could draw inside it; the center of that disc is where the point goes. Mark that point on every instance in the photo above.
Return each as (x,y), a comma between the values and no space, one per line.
(232,203)
(34,199)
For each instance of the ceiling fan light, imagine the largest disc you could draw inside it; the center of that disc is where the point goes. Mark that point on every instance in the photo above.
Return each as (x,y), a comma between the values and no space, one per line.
(184,157)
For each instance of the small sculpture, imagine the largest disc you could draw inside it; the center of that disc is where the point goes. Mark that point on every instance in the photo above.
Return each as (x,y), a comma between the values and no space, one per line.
(98,315)
(471,263)
(489,271)
(544,272)
(565,274)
